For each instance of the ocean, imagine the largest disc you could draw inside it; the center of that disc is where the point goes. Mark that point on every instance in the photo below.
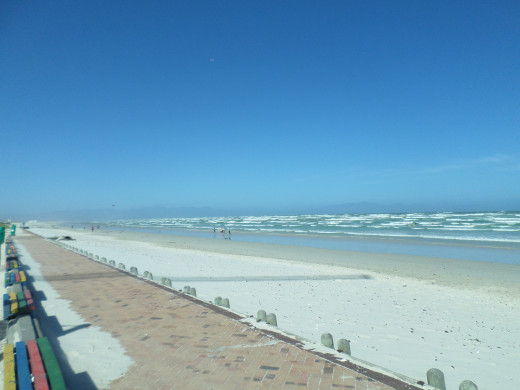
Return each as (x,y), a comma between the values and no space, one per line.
(480,236)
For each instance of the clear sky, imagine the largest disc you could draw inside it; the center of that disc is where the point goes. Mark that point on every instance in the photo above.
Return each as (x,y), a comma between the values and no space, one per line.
(251,107)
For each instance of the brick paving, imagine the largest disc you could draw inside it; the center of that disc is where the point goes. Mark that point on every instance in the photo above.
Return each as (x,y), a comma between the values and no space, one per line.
(178,342)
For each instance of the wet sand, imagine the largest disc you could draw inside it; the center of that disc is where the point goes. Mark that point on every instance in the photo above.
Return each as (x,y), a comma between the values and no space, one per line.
(498,277)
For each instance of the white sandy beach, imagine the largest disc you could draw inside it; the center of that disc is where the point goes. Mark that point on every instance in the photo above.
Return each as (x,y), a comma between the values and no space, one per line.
(404,313)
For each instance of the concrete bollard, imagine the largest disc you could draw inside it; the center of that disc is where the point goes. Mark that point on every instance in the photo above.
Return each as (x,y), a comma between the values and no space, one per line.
(327,340)
(148,275)
(134,270)
(112,263)
(261,316)
(218,301)
(467,385)
(103,259)
(166,282)
(225,302)
(344,346)
(186,289)
(271,319)
(91,255)
(121,266)
(192,291)
(96,257)
(435,378)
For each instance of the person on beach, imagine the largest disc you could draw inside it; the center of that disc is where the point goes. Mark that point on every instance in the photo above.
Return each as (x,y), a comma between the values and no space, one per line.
(92,228)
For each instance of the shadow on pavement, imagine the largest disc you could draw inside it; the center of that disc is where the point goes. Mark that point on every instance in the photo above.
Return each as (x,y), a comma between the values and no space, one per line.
(50,327)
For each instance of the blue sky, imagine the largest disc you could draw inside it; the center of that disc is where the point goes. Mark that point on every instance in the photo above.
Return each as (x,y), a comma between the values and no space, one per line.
(247,107)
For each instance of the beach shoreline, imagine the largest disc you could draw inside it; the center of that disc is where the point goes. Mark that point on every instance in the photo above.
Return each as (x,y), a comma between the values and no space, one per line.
(405,313)
(450,272)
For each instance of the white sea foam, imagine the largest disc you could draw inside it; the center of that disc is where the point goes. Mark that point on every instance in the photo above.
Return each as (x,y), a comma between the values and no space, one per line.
(496,226)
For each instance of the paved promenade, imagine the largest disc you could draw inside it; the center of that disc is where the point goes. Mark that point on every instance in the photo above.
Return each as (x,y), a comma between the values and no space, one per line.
(178,342)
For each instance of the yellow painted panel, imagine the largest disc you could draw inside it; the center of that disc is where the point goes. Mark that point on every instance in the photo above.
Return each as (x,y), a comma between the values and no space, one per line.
(9,369)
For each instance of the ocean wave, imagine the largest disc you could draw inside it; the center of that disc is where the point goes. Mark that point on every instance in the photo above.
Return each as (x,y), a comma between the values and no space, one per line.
(495,226)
